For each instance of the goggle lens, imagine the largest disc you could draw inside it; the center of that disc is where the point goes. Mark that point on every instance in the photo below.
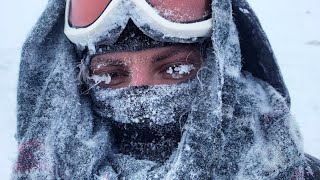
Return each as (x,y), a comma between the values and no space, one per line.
(85,12)
(183,11)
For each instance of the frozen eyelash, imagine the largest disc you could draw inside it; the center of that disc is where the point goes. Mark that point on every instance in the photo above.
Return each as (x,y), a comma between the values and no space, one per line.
(177,72)
(98,79)
(106,78)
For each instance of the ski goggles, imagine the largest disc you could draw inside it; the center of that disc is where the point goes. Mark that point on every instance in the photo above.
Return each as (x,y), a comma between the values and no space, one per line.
(88,22)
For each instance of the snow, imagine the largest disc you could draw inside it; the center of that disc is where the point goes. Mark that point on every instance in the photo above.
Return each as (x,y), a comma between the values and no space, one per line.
(179,71)
(101,78)
(292,28)
(245,11)
(136,104)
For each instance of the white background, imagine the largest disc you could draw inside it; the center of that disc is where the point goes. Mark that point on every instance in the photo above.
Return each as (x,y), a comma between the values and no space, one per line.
(293,27)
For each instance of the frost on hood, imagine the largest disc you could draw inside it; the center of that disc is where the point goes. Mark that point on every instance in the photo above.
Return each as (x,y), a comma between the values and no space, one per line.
(238,127)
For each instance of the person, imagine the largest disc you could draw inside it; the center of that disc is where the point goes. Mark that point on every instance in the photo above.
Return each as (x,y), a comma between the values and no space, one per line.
(156,89)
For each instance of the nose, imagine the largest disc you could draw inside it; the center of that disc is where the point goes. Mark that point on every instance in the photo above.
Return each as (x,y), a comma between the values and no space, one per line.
(141,76)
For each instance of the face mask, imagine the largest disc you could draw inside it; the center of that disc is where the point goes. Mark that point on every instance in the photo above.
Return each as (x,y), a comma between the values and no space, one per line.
(148,105)
(147,120)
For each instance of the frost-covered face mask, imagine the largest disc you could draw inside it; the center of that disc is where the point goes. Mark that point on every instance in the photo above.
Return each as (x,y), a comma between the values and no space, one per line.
(146,121)
(147,105)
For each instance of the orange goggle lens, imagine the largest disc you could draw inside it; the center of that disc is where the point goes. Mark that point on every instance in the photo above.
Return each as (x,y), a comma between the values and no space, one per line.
(85,12)
(183,11)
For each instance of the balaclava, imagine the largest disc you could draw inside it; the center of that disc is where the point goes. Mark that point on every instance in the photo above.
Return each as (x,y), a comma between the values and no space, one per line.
(146,121)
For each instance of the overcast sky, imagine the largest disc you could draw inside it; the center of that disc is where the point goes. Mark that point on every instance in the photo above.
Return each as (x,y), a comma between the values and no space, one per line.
(18,17)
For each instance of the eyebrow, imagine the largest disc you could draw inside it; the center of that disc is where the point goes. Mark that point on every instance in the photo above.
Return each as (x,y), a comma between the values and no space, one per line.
(166,54)
(107,61)
(104,62)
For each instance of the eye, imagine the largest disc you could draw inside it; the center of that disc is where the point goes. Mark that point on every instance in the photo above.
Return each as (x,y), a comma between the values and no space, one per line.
(179,71)
(110,79)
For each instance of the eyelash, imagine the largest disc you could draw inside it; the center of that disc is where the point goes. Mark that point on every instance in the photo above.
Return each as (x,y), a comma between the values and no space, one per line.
(109,79)
(174,71)
(179,71)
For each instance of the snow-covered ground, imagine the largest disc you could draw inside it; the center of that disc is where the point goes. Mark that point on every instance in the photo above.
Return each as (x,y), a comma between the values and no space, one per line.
(292,26)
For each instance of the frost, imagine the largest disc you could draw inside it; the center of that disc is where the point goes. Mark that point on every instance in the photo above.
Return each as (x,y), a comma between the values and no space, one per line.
(188,148)
(179,71)
(245,11)
(156,104)
(176,14)
(106,78)
(309,170)
(90,143)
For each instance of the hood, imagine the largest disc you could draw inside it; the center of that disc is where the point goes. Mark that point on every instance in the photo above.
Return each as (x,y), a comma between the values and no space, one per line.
(240,127)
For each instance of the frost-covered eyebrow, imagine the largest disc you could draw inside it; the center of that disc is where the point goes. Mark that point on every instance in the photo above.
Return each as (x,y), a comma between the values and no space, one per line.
(166,54)
(99,65)
(106,61)
(171,52)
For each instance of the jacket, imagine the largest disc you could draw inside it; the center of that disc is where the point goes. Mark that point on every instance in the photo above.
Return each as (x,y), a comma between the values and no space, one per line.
(240,127)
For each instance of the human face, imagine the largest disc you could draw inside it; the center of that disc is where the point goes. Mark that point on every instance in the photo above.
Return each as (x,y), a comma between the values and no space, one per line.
(155,66)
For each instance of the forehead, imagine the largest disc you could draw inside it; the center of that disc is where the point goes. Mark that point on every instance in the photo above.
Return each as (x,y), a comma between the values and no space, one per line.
(150,54)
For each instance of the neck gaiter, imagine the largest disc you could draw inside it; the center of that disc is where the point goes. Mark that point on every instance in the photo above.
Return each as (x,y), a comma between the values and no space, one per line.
(146,121)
